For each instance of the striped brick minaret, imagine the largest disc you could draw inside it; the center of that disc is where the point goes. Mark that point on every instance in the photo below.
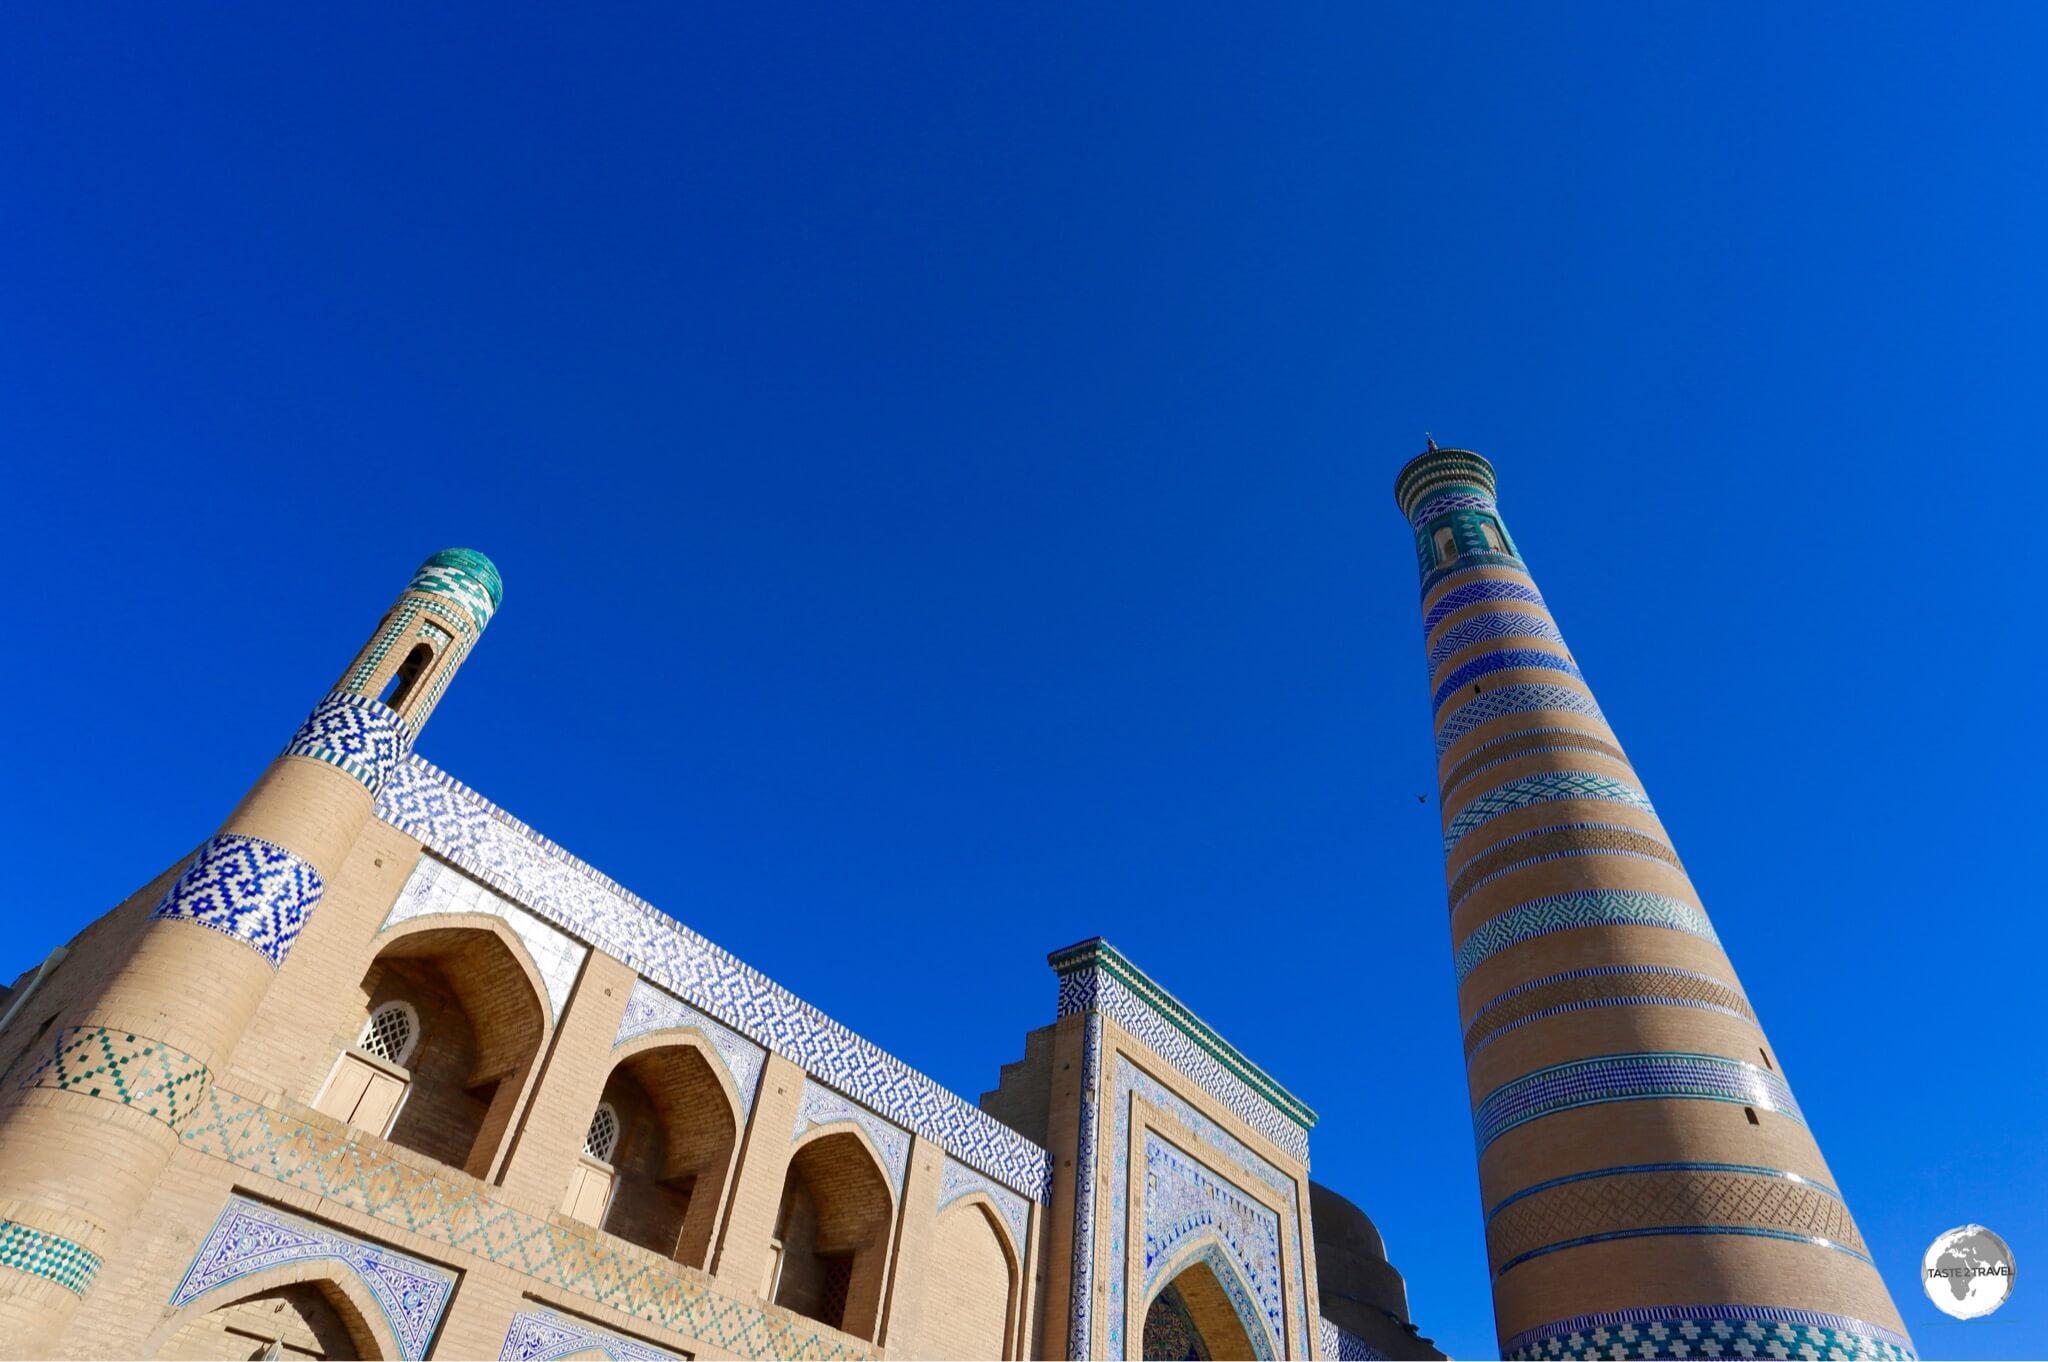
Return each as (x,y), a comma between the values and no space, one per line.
(1651,1188)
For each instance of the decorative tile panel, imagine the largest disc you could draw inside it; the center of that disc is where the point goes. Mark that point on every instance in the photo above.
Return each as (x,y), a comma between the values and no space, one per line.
(250,1237)
(1342,1345)
(1170,1330)
(1603,986)
(1128,1084)
(1651,1200)
(356,1171)
(469,831)
(1541,788)
(1467,560)
(1502,660)
(1629,1078)
(1088,1174)
(1519,698)
(1472,593)
(1525,742)
(437,887)
(42,1254)
(649,1010)
(1451,501)
(1094,976)
(1485,628)
(1744,1331)
(354,734)
(156,1079)
(818,1106)
(252,890)
(543,1335)
(956,1180)
(1184,1203)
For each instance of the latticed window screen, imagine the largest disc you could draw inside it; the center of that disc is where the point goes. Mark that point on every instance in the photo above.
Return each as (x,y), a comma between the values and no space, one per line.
(603,1135)
(390,1032)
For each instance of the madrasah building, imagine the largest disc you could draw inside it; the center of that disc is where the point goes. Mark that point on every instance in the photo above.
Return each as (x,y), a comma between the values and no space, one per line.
(380,1071)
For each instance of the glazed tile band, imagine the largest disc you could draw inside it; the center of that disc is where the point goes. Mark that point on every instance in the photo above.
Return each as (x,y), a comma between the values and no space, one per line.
(1473,593)
(1710,1331)
(1526,742)
(1638,1077)
(1542,788)
(52,1256)
(1502,660)
(246,888)
(355,734)
(160,1081)
(1499,624)
(1583,908)
(1516,698)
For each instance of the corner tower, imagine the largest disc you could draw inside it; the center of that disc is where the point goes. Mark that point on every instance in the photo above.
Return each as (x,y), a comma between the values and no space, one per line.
(121,1066)
(1651,1188)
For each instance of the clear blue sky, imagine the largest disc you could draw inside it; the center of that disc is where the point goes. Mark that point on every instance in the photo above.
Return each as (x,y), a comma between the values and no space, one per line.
(940,463)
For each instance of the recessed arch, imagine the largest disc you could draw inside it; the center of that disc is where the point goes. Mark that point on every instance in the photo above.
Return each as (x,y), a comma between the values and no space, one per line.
(366,1328)
(1217,1299)
(833,1230)
(679,1119)
(482,1018)
(971,1307)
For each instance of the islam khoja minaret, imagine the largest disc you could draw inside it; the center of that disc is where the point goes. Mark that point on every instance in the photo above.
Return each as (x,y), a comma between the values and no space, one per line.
(1650,1185)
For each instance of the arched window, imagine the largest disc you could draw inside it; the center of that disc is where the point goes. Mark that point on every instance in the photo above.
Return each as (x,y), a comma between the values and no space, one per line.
(1446,546)
(603,1135)
(1495,540)
(391,1032)
(407,676)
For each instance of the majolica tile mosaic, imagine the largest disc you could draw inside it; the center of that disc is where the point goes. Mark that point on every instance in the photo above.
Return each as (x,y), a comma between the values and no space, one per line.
(819,1106)
(957,1180)
(1655,1076)
(649,1010)
(468,830)
(251,890)
(1541,788)
(158,1080)
(436,887)
(1187,1204)
(250,1237)
(543,1336)
(42,1254)
(1128,1084)
(1519,698)
(1586,908)
(1345,1346)
(355,734)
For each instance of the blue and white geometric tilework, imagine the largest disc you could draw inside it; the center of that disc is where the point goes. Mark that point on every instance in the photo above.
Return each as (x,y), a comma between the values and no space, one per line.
(648,1010)
(437,887)
(1451,501)
(1087,1216)
(353,733)
(1735,1331)
(1503,660)
(1650,1076)
(818,1106)
(1186,1203)
(1340,1343)
(543,1335)
(1096,989)
(956,1180)
(1515,699)
(1484,628)
(1129,1085)
(250,1237)
(1585,908)
(1487,589)
(1541,788)
(463,827)
(252,890)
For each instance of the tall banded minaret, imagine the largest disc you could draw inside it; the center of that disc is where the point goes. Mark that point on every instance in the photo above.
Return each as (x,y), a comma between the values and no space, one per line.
(1651,1188)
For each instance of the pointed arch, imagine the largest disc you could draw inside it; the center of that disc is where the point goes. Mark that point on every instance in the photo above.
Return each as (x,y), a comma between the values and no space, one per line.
(833,1230)
(1218,1299)
(368,1329)
(971,1308)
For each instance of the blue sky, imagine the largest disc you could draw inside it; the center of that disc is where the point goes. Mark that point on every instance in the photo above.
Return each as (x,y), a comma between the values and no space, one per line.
(940,463)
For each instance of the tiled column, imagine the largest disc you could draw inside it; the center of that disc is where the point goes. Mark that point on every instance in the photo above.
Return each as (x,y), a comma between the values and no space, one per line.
(1649,1182)
(86,1135)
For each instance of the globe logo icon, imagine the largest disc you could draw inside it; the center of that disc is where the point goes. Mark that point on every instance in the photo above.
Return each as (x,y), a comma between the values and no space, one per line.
(1967,1272)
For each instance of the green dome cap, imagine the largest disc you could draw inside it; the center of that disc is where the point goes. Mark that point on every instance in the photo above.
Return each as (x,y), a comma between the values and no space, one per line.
(466,576)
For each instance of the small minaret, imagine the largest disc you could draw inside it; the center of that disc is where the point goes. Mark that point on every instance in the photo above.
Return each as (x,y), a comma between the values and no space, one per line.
(85,1134)
(1651,1188)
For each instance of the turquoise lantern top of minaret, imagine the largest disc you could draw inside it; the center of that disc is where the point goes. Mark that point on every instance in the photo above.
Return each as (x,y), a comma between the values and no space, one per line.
(1447,495)
(466,576)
